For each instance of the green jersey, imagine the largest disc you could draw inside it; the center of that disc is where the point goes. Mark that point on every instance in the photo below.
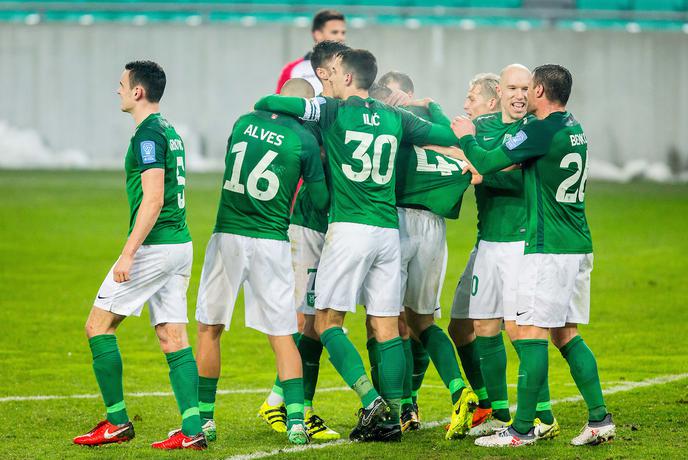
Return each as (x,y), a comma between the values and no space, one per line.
(156,144)
(429,180)
(499,199)
(306,214)
(361,138)
(266,155)
(554,157)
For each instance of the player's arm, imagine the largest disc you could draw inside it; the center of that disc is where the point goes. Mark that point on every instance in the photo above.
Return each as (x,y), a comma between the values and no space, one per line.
(421,132)
(505,180)
(437,115)
(305,109)
(529,142)
(313,173)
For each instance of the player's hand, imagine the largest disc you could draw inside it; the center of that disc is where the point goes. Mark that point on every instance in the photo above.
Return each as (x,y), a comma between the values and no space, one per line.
(453,151)
(476,178)
(420,102)
(462,126)
(398,97)
(122,268)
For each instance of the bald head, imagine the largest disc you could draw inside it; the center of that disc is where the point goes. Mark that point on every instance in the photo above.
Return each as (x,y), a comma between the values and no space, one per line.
(513,92)
(298,87)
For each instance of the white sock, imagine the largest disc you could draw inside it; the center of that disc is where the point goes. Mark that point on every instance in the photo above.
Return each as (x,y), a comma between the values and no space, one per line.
(275,399)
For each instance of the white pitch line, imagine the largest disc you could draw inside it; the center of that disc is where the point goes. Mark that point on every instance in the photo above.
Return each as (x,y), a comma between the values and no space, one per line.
(627,386)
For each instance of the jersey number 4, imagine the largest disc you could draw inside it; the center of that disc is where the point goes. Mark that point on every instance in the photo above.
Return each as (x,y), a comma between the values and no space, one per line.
(563,194)
(370,168)
(260,171)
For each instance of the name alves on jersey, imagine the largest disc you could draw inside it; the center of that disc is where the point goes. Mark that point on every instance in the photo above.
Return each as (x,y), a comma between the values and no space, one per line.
(264,135)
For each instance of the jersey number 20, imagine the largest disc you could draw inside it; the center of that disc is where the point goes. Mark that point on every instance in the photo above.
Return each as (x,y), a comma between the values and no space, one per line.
(370,168)
(563,195)
(260,171)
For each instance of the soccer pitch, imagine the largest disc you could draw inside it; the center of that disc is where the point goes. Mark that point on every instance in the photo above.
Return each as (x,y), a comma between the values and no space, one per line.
(61,231)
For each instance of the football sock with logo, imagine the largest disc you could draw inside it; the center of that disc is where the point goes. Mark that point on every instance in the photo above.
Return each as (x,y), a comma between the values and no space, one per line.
(373,358)
(310,351)
(421,361)
(184,379)
(544,405)
(276,396)
(207,389)
(107,365)
(391,369)
(293,399)
(531,376)
(470,360)
(406,396)
(347,361)
(441,352)
(493,368)
(584,372)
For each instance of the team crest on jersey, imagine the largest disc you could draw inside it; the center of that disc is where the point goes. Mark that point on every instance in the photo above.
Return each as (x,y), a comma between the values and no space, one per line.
(518,139)
(274,116)
(148,152)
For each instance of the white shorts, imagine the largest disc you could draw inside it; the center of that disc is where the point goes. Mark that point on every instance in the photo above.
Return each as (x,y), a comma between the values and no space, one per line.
(495,280)
(263,267)
(359,263)
(160,276)
(423,240)
(554,289)
(306,247)
(462,295)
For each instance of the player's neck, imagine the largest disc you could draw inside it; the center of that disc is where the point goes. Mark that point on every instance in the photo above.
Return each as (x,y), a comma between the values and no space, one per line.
(507,119)
(547,109)
(143,111)
(351,91)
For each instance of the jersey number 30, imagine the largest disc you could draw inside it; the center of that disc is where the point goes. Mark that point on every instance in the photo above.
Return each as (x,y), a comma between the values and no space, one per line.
(260,171)
(370,168)
(563,194)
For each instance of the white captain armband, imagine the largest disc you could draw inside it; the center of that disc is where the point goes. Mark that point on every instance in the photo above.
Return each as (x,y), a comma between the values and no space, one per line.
(312,112)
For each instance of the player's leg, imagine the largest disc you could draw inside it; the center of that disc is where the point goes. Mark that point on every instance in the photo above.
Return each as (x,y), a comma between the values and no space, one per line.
(221,279)
(289,370)
(114,302)
(409,417)
(581,360)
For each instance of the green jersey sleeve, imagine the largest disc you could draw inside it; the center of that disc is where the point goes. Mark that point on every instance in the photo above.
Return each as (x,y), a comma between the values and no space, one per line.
(533,140)
(319,109)
(437,115)
(484,161)
(417,131)
(505,180)
(149,149)
(311,164)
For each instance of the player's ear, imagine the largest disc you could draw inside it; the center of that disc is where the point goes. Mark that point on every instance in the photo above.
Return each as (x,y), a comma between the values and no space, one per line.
(539,91)
(321,73)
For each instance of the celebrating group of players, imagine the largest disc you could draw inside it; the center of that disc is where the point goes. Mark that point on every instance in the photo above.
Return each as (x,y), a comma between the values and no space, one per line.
(375,171)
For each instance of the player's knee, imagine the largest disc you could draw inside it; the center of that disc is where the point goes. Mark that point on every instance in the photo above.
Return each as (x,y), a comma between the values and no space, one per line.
(210,331)
(563,335)
(461,331)
(172,337)
(487,327)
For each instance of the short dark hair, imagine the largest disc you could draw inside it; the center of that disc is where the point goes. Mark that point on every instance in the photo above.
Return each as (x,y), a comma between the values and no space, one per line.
(556,81)
(324,51)
(149,75)
(379,92)
(323,16)
(362,64)
(405,82)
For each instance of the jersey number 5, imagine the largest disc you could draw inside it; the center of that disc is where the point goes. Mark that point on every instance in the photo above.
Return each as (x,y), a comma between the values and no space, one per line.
(370,168)
(563,195)
(260,171)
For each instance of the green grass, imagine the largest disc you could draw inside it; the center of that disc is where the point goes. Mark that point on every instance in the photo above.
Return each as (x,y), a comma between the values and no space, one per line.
(61,231)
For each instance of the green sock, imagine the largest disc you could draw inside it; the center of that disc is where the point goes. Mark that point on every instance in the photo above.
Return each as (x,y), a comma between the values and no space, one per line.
(293,399)
(348,363)
(408,374)
(544,405)
(493,368)
(107,365)
(207,388)
(373,358)
(310,351)
(531,376)
(421,361)
(470,360)
(441,351)
(184,379)
(392,367)
(584,372)
(277,386)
